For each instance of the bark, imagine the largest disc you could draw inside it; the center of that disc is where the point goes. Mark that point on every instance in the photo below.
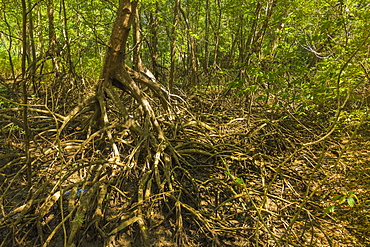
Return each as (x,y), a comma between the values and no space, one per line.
(136,64)
(206,44)
(32,57)
(115,56)
(154,41)
(53,50)
(217,35)
(25,95)
(191,46)
(66,39)
(173,43)
(251,37)
(115,72)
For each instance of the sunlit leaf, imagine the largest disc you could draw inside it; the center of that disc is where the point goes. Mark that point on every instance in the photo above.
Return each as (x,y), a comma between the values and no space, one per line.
(337,197)
(351,201)
(239,180)
(342,200)
(329,209)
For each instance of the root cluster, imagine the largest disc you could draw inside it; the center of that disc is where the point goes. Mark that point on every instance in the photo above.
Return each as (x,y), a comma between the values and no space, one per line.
(200,174)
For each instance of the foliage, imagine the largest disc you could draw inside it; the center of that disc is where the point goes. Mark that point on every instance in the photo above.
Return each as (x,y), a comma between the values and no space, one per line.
(349,197)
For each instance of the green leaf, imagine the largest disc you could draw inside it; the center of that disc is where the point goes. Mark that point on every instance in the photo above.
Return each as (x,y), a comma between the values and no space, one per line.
(239,180)
(337,197)
(78,218)
(342,200)
(329,209)
(353,195)
(351,201)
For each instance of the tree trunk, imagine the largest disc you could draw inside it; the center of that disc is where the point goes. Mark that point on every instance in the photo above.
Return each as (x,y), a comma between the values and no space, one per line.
(136,60)
(115,72)
(191,47)
(25,95)
(206,43)
(217,34)
(66,39)
(115,56)
(141,122)
(173,43)
(53,52)
(153,45)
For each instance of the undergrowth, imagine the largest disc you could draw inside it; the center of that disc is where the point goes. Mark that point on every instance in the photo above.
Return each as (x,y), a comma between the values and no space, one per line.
(222,176)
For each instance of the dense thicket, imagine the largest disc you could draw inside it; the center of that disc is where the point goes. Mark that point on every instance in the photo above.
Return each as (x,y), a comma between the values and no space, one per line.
(189,123)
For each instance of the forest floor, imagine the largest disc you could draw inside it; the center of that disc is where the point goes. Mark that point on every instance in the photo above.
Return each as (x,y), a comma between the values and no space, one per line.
(333,170)
(247,179)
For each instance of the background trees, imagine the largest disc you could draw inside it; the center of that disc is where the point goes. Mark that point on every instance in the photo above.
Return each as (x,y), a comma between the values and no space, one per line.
(252,42)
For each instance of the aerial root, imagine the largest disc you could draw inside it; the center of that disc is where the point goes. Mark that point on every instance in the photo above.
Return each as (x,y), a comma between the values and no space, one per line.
(127,179)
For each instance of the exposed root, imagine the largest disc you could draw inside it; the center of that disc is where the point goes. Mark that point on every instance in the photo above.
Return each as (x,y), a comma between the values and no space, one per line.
(141,180)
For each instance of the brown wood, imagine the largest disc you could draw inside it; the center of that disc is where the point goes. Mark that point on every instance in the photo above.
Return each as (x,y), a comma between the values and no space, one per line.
(115,56)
